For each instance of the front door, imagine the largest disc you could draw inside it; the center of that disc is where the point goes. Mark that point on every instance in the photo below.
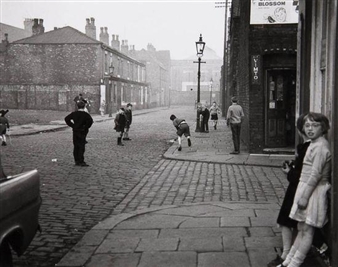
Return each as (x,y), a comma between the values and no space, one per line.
(280,115)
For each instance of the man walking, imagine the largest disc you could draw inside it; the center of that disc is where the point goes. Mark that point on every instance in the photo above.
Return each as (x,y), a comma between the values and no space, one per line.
(80,121)
(205,118)
(234,120)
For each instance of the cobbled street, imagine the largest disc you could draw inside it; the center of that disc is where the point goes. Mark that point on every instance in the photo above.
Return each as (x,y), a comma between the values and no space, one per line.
(122,179)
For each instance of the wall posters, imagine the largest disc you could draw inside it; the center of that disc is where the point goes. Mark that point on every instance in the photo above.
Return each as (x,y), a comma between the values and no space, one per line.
(274,11)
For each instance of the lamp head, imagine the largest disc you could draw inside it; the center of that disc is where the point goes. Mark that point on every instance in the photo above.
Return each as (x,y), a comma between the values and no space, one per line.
(200,46)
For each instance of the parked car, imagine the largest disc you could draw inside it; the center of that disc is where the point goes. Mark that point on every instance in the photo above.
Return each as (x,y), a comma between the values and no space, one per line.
(20,202)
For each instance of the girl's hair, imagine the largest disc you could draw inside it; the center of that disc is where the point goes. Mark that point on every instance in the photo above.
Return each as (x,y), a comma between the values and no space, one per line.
(313,116)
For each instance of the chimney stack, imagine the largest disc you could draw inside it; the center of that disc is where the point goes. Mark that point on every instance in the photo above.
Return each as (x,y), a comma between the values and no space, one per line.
(104,36)
(124,46)
(151,48)
(38,27)
(28,26)
(91,28)
(115,43)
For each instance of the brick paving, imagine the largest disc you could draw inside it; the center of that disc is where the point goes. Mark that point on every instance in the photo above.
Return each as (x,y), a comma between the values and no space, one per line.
(122,181)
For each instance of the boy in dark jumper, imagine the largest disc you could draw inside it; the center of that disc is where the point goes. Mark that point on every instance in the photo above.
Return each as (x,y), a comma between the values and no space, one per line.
(80,121)
(182,128)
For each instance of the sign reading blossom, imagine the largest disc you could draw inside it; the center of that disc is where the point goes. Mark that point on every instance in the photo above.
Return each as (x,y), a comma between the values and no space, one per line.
(274,12)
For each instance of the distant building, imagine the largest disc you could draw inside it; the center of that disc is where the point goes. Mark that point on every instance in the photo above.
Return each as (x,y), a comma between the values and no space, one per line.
(158,73)
(47,70)
(184,79)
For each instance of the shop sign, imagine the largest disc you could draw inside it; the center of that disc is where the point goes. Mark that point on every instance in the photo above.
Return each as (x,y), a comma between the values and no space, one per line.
(256,69)
(274,11)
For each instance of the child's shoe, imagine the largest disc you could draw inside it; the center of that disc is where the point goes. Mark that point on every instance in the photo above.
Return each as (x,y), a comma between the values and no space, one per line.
(179,148)
(189,142)
(278,260)
(4,143)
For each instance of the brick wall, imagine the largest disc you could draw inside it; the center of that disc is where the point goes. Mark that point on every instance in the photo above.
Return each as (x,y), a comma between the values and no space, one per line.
(268,41)
(49,76)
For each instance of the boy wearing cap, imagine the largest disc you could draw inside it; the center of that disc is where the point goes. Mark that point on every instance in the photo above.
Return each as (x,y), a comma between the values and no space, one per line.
(182,128)
(129,116)
(80,121)
(234,119)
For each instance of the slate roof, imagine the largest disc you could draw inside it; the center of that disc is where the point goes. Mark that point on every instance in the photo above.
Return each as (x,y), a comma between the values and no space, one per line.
(65,35)
(14,33)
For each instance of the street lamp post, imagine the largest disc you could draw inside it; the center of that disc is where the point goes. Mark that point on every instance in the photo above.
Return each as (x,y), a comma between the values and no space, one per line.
(199,48)
(111,71)
(211,82)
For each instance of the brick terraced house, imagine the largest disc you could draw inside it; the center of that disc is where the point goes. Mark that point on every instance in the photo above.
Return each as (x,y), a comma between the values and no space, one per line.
(48,69)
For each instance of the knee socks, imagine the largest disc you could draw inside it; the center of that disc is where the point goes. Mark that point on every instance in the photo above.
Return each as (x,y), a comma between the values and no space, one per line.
(297,259)
(287,241)
(289,257)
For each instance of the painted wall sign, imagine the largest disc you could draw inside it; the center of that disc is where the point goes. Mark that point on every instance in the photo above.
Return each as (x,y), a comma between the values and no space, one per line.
(256,69)
(274,12)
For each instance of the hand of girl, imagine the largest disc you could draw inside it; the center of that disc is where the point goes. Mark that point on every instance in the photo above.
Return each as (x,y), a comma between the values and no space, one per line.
(302,203)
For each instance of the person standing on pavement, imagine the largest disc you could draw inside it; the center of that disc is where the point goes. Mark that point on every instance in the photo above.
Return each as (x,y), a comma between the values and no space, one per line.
(293,170)
(288,226)
(234,119)
(4,125)
(77,99)
(129,116)
(120,124)
(80,121)
(205,118)
(214,111)
(103,107)
(310,204)
(182,128)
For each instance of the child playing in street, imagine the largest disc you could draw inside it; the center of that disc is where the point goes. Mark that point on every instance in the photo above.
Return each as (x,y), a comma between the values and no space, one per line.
(120,124)
(4,125)
(182,128)
(214,111)
(129,117)
(310,203)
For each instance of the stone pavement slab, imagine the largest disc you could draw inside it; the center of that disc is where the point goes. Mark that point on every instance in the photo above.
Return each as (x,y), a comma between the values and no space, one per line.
(196,238)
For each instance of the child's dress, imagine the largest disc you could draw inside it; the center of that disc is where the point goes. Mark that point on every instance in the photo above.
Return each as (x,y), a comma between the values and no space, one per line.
(315,174)
(293,178)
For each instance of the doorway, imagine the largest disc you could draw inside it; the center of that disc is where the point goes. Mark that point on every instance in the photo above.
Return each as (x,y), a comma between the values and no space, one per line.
(280,108)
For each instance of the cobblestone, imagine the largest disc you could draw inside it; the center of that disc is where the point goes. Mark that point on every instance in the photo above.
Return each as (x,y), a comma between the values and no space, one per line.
(124,179)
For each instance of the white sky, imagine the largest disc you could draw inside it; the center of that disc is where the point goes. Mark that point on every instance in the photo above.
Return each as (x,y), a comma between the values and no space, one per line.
(168,25)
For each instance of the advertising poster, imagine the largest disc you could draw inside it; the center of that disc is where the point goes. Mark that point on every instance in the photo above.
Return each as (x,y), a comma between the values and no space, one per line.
(274,11)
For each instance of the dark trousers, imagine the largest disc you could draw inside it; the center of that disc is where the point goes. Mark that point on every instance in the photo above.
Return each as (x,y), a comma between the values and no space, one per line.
(205,124)
(79,141)
(236,132)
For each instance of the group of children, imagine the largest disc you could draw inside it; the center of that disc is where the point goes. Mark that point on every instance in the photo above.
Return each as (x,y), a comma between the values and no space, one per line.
(206,113)
(304,210)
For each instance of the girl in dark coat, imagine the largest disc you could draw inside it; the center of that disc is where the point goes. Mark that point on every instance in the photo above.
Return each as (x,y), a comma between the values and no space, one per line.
(293,170)
(120,124)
